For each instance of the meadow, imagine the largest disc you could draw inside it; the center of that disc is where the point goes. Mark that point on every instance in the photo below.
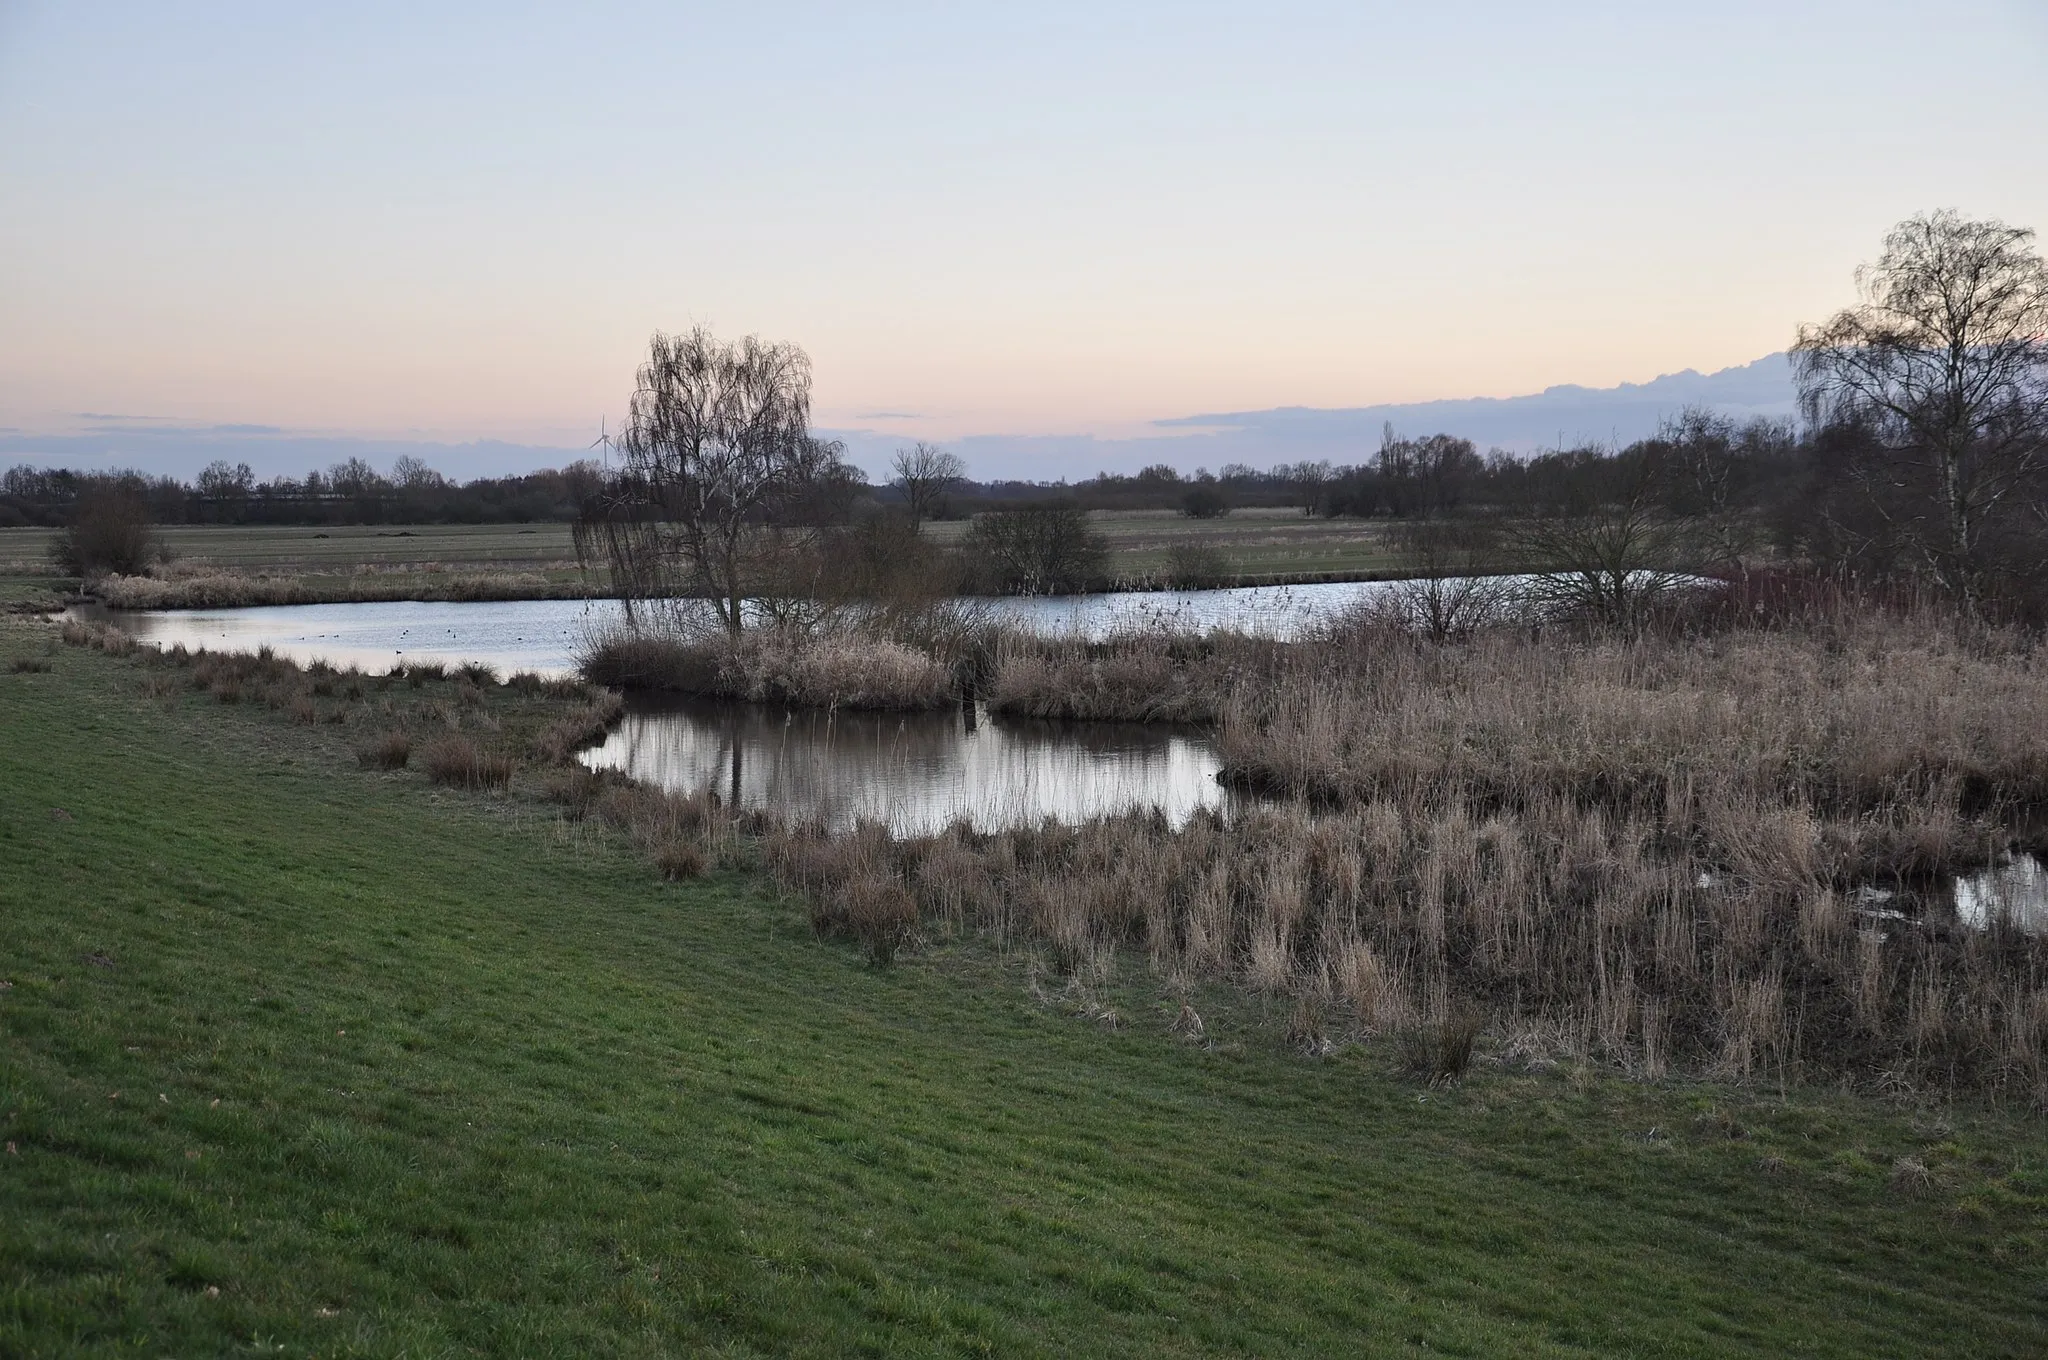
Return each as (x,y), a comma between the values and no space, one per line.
(213,566)
(303,1055)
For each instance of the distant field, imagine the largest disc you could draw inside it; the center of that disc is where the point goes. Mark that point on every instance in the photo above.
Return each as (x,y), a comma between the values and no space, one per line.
(1255,543)
(337,547)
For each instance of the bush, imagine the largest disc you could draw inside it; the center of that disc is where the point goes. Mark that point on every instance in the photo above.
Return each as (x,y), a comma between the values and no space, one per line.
(389,751)
(1036,550)
(1196,566)
(109,533)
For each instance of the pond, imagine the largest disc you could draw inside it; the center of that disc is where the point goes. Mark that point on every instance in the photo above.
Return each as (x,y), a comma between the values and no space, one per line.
(544,635)
(916,772)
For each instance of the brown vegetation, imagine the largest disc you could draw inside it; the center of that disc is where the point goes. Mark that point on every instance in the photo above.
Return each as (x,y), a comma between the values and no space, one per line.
(388,751)
(835,669)
(1652,849)
(459,762)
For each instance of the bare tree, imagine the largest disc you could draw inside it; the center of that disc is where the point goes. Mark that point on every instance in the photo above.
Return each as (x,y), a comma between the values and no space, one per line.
(1609,548)
(1945,362)
(1456,588)
(413,474)
(718,474)
(925,473)
(222,481)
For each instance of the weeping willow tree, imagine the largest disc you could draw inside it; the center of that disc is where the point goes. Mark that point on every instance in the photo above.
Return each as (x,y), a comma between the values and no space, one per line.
(719,485)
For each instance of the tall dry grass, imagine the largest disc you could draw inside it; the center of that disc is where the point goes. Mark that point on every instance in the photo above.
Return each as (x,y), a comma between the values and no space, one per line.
(1139,677)
(1870,712)
(838,668)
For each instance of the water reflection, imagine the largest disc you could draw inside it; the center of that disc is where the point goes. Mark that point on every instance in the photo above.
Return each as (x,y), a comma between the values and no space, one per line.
(916,772)
(2015,891)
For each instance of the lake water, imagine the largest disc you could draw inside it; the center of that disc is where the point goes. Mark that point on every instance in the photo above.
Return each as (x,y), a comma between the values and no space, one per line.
(544,635)
(916,772)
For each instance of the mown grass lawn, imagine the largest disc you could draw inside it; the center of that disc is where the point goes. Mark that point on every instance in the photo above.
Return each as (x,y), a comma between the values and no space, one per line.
(299,1059)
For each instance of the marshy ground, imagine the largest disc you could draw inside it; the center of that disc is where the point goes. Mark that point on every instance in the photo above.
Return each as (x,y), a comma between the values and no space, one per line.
(304,1054)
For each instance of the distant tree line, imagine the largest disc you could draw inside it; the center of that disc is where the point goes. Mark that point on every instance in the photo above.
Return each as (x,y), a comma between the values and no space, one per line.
(350,492)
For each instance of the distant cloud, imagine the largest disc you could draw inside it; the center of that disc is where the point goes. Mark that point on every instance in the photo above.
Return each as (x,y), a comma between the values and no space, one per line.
(112,415)
(1566,415)
(888,415)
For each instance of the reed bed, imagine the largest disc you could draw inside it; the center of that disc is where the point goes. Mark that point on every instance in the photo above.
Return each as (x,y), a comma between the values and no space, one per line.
(1867,712)
(840,668)
(1663,850)
(1139,677)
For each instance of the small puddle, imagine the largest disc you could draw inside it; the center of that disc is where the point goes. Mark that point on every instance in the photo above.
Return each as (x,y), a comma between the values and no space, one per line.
(915,772)
(2015,890)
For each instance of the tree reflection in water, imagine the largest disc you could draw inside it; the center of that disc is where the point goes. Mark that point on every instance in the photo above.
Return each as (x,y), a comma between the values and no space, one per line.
(917,772)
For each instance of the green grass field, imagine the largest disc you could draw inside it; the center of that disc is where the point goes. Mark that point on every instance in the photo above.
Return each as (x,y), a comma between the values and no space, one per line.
(297,1059)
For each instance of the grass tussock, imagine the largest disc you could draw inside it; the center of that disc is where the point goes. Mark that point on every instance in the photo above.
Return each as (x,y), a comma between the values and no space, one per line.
(386,751)
(460,763)
(833,669)
(28,665)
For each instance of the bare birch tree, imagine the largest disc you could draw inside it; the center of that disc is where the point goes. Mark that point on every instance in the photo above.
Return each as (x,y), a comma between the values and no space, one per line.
(1945,363)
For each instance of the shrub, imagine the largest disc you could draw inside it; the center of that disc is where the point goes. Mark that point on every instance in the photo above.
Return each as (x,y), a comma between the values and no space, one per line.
(456,761)
(388,751)
(1196,566)
(1044,549)
(109,533)
(28,665)
(1204,501)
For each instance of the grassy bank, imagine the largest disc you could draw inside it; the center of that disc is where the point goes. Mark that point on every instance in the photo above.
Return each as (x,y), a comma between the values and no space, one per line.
(306,1056)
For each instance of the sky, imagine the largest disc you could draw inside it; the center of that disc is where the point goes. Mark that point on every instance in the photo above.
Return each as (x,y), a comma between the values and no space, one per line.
(460,222)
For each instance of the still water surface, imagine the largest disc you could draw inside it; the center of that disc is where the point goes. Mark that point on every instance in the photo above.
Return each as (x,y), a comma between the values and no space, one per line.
(916,772)
(545,635)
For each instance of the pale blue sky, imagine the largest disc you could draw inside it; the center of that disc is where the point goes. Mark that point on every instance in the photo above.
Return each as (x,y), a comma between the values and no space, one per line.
(463,220)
